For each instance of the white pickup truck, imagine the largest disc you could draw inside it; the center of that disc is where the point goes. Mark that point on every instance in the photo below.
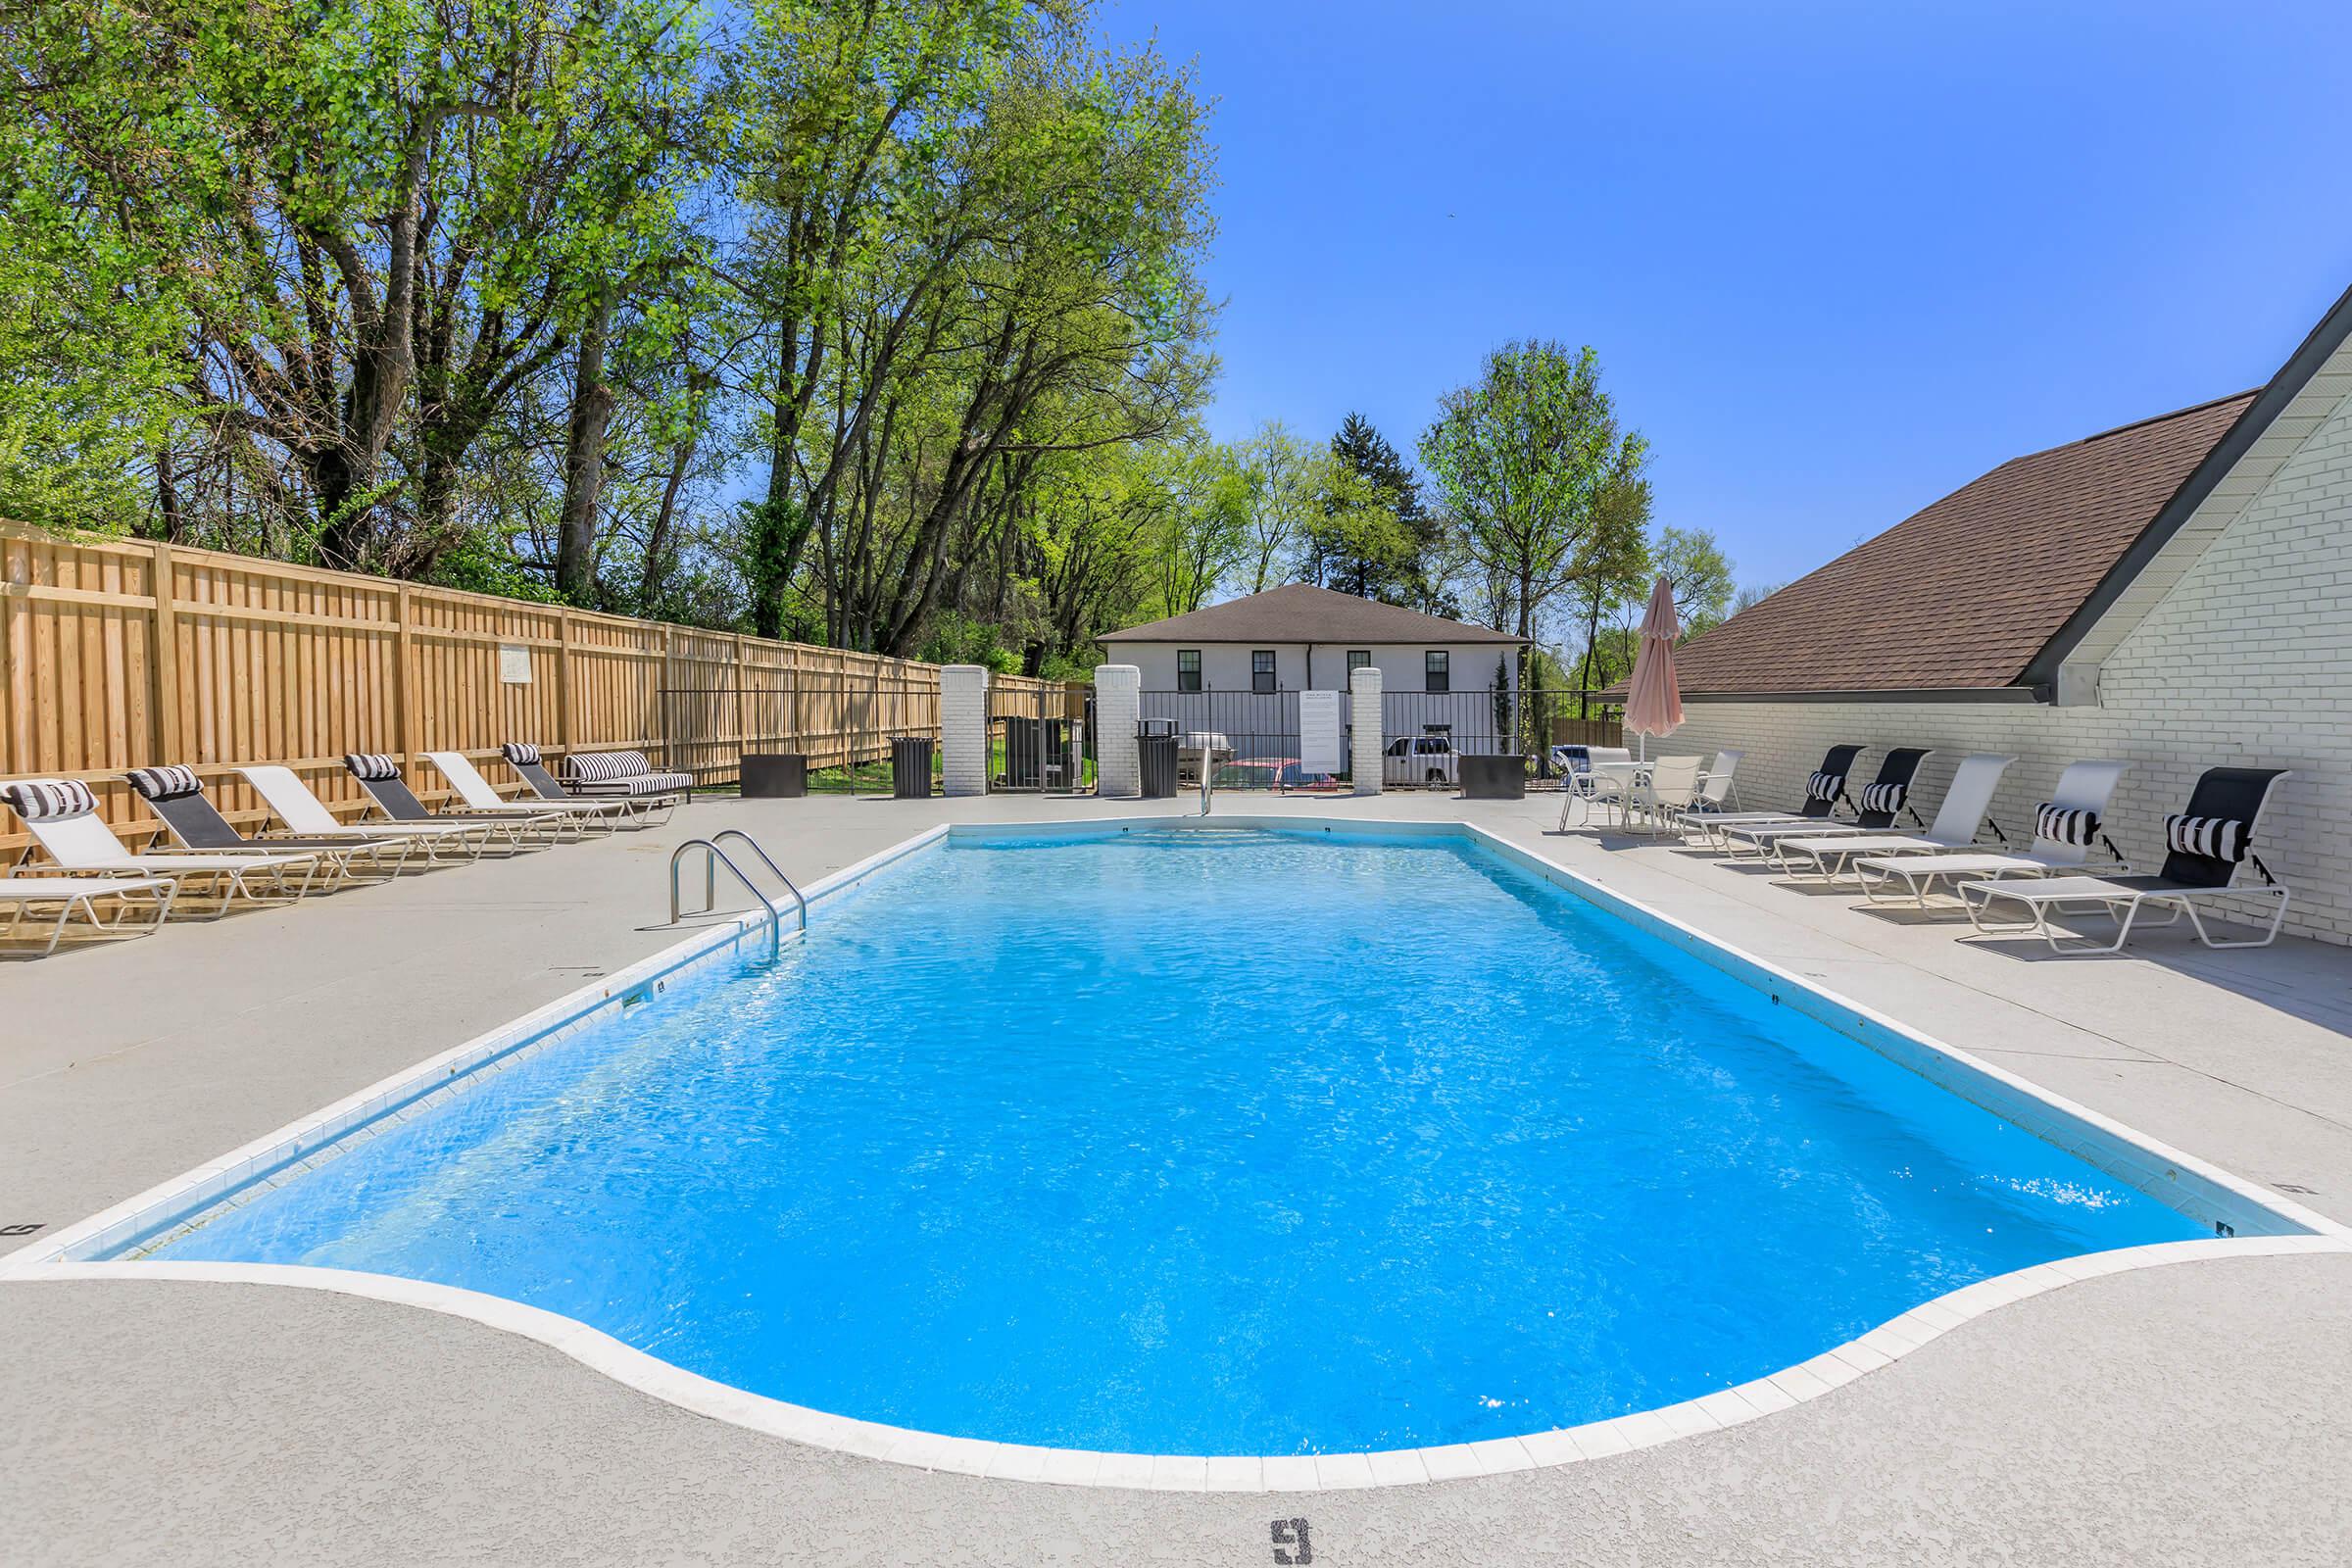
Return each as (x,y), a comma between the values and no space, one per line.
(1420,760)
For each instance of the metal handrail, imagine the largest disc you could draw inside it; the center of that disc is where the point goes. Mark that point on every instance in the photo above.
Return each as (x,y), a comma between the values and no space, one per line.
(798,898)
(715,856)
(1208,774)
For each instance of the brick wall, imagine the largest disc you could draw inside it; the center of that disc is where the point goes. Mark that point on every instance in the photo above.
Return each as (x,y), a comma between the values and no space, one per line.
(2247,662)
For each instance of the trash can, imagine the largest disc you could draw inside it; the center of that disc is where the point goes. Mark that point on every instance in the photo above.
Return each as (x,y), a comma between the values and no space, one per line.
(1490,777)
(1155,742)
(911,767)
(775,775)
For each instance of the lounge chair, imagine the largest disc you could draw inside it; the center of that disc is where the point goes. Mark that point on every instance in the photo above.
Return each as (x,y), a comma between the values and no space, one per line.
(649,796)
(175,794)
(308,815)
(2205,846)
(379,775)
(22,895)
(62,815)
(1958,820)
(2066,827)
(480,795)
(1877,806)
(1823,790)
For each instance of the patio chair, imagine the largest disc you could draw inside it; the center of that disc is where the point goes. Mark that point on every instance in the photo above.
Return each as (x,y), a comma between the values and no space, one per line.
(2205,846)
(175,794)
(480,795)
(22,895)
(62,815)
(1718,791)
(379,775)
(1876,809)
(308,817)
(1590,785)
(2066,828)
(1668,793)
(1823,790)
(1963,814)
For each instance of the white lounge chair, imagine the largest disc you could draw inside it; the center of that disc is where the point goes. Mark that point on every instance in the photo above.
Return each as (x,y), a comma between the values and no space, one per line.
(1958,820)
(307,816)
(2066,829)
(2206,844)
(480,795)
(62,815)
(21,895)
(1877,805)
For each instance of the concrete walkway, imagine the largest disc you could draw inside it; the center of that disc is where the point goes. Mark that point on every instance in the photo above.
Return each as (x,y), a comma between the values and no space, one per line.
(2194,1415)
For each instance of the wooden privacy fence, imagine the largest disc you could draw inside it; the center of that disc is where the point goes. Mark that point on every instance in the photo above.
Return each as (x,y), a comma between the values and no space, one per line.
(1586,732)
(117,654)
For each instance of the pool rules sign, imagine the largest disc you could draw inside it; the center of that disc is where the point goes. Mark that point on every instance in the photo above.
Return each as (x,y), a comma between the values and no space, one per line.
(1318,733)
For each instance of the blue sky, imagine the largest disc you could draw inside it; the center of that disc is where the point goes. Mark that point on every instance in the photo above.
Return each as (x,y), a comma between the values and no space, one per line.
(1837,260)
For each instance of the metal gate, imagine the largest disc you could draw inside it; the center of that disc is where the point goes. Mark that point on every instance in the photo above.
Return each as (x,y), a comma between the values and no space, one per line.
(1247,740)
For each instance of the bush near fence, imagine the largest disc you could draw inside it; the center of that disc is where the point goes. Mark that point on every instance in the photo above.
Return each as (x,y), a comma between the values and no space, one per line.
(117,654)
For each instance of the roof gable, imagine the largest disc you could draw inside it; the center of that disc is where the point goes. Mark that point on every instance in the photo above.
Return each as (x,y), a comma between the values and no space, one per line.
(1964,594)
(1300,613)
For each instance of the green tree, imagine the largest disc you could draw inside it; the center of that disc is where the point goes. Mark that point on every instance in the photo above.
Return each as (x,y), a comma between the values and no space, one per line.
(1543,483)
(1376,539)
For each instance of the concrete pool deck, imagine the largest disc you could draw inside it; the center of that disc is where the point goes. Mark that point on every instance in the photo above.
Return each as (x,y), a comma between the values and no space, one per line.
(2197,1413)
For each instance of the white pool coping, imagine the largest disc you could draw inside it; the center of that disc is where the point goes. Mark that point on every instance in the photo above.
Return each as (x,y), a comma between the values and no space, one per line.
(2258,1223)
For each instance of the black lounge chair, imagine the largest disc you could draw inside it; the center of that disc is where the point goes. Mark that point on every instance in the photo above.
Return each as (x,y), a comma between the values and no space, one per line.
(1880,803)
(1823,790)
(175,794)
(642,793)
(379,775)
(2206,844)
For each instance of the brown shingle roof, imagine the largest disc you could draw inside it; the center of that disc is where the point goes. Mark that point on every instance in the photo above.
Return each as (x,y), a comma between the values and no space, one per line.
(1963,595)
(1296,612)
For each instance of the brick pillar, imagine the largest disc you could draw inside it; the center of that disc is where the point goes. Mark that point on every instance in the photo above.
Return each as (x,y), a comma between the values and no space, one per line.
(964,728)
(1118,701)
(1363,729)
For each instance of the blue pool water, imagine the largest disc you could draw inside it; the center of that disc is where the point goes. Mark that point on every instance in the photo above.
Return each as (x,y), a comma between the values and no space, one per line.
(1209,1142)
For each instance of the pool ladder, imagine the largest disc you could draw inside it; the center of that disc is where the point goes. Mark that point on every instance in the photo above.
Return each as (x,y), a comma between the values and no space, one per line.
(714,856)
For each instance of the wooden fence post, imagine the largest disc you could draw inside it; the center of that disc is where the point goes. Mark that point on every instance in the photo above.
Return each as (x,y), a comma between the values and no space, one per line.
(163,667)
(404,703)
(564,680)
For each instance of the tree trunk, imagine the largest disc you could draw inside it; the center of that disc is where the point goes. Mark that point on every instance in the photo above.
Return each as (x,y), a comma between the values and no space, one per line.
(584,461)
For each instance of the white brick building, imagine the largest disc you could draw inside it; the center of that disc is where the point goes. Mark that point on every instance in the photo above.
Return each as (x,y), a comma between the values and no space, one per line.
(2181,590)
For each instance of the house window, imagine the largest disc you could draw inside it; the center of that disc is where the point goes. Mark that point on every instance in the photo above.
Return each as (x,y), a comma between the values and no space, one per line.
(1187,669)
(1261,670)
(1437,673)
(1358,659)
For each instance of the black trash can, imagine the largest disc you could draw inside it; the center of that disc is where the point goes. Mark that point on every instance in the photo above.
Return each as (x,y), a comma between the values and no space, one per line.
(1155,740)
(775,775)
(1490,777)
(911,767)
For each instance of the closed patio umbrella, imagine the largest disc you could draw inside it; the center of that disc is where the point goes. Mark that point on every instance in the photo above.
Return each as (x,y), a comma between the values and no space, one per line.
(1654,701)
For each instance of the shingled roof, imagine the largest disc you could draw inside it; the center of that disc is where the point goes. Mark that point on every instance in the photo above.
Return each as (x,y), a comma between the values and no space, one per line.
(1297,613)
(1963,595)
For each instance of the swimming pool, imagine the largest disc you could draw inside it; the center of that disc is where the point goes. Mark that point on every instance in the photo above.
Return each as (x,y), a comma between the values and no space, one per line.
(1207,1142)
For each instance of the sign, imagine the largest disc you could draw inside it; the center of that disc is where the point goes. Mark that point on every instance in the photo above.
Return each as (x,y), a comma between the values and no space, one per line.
(514,665)
(1319,733)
